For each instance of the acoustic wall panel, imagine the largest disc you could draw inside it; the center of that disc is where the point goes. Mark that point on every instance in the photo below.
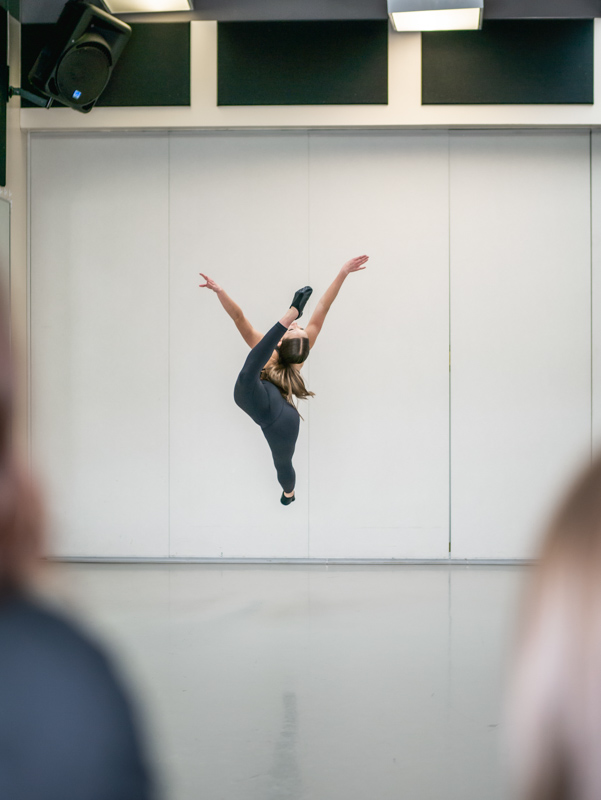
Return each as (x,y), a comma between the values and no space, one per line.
(13,7)
(510,61)
(520,334)
(239,207)
(136,80)
(379,429)
(302,63)
(154,69)
(99,340)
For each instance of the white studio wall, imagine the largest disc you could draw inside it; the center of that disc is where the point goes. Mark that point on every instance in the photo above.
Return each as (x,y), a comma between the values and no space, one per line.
(479,240)
(379,430)
(99,340)
(520,333)
(16,189)
(239,214)
(5,249)
(596,288)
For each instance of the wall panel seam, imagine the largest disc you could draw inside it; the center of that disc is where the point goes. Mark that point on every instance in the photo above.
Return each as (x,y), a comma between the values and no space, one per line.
(308,482)
(591,275)
(169,343)
(449,293)
(28,327)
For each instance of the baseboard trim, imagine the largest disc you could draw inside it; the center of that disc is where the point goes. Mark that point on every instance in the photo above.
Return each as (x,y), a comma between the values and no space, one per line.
(387,562)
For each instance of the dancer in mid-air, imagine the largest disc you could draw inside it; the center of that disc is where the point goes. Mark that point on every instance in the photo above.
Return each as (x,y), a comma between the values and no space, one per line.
(271,376)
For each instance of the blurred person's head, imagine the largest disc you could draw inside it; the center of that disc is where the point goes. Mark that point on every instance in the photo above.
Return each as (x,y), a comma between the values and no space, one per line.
(20,508)
(556,701)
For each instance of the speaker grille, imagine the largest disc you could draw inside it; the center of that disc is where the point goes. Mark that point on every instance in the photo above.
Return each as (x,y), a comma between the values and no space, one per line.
(83,73)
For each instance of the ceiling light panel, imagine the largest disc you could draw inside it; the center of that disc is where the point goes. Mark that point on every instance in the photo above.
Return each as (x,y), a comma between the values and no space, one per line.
(146,6)
(435,15)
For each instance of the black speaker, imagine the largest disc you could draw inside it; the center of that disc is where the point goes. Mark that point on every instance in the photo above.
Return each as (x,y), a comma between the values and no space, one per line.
(75,66)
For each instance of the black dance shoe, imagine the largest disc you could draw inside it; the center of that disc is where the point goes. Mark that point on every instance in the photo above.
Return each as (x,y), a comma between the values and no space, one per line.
(300,299)
(285,501)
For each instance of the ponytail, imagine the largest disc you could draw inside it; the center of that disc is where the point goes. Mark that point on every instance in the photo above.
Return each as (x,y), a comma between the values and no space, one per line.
(288,380)
(284,374)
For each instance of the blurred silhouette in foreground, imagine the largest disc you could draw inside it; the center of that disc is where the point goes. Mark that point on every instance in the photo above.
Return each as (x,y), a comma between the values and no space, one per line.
(555,709)
(66,728)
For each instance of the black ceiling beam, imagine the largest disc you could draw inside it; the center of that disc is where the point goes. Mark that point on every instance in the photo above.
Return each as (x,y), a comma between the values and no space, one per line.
(274,10)
(542,9)
(234,11)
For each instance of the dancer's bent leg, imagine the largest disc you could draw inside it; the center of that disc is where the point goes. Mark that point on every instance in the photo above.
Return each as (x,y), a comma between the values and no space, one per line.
(249,392)
(281,437)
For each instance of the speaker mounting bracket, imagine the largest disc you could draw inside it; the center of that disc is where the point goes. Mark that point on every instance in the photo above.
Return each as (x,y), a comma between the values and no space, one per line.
(45,102)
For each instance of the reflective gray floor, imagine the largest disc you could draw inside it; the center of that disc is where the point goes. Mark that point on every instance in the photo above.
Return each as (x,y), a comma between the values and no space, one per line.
(312,682)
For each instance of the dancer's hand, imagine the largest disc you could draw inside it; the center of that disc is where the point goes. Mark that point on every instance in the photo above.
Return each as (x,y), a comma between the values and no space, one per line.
(354,265)
(210,284)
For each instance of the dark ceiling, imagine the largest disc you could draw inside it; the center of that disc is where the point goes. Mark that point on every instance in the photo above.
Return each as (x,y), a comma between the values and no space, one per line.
(231,10)
(247,10)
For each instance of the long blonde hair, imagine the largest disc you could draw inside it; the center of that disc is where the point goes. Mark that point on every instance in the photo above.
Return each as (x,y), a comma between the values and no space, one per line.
(284,375)
(556,699)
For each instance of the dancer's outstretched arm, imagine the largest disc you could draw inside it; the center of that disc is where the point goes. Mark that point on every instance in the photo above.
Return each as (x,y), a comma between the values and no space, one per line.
(249,334)
(317,319)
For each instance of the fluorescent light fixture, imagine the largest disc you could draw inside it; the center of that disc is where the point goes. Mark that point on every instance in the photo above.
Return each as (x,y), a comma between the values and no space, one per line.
(145,6)
(435,15)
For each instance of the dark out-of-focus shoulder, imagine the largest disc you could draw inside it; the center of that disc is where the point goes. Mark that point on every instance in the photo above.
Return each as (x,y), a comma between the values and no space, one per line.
(67,728)
(21,615)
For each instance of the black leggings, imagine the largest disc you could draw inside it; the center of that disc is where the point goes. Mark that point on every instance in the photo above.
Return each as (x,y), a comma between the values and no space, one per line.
(264,403)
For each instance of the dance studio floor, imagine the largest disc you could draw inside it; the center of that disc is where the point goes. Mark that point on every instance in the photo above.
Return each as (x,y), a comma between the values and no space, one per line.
(312,682)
